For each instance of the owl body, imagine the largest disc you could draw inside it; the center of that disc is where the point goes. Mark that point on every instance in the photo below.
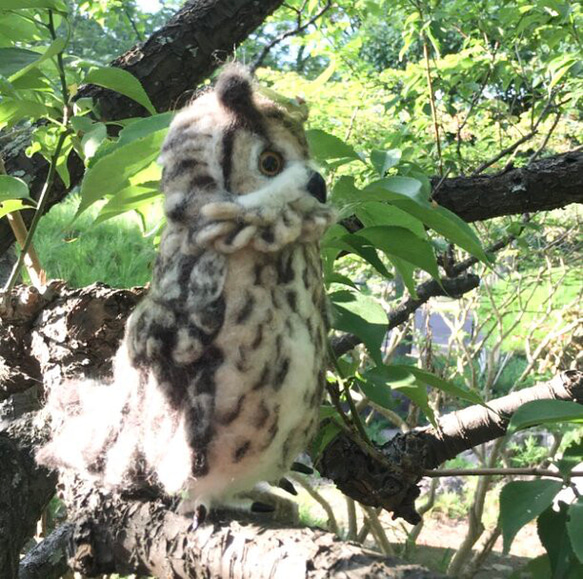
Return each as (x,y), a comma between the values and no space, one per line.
(220,374)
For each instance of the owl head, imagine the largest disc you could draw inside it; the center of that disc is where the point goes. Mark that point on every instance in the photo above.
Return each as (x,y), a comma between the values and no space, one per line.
(234,141)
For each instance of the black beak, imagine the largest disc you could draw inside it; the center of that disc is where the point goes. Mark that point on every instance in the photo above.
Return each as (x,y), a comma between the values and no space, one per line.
(317,187)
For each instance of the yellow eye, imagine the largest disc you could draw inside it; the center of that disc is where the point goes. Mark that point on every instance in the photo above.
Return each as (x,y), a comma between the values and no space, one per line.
(270,163)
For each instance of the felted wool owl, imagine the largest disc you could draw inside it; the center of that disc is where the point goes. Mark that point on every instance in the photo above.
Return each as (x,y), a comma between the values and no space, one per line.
(218,381)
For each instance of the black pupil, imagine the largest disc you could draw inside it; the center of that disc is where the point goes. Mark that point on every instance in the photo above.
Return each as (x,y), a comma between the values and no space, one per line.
(270,164)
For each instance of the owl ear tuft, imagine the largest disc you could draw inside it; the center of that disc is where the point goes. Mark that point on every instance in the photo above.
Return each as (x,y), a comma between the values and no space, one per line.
(234,89)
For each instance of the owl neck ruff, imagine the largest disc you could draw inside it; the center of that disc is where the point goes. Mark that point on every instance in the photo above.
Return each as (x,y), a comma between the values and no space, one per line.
(218,380)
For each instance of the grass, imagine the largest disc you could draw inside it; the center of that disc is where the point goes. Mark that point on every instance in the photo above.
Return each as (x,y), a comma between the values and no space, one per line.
(115,252)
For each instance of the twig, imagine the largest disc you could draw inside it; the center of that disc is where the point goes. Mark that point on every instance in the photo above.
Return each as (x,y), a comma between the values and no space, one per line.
(299,28)
(517,144)
(332,523)
(377,530)
(139,35)
(501,472)
(352,521)
(536,154)
(32,262)
(504,152)
(432,101)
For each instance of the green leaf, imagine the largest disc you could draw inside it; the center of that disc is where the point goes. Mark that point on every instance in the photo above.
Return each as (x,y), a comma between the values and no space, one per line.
(399,186)
(552,532)
(400,242)
(12,111)
(54,48)
(521,502)
(406,195)
(406,271)
(361,247)
(434,381)
(18,29)
(122,82)
(13,205)
(575,528)
(379,379)
(143,127)
(382,161)
(545,412)
(111,173)
(325,146)
(12,188)
(376,213)
(572,456)
(128,199)
(340,279)
(448,224)
(14,59)
(362,316)
(58,5)
(92,139)
(327,433)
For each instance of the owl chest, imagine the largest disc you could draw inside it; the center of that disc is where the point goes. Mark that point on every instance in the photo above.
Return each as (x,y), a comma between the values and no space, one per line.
(269,386)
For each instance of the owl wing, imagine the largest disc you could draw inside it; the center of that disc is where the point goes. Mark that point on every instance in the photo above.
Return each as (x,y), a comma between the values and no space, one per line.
(175,324)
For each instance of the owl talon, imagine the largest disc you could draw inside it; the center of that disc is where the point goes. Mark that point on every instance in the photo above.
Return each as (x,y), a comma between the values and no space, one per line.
(287,486)
(258,507)
(199,517)
(299,467)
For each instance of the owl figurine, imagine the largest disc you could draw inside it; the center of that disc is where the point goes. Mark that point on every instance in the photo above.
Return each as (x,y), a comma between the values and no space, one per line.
(218,381)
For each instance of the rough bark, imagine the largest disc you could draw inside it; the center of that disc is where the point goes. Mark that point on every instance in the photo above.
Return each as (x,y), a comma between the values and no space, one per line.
(25,490)
(48,559)
(170,65)
(125,535)
(550,183)
(62,333)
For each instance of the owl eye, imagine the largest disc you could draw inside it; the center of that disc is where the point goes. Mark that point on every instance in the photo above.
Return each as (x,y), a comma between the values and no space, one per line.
(270,163)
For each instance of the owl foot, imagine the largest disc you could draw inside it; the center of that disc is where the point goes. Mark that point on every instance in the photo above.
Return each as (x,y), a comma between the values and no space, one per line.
(287,486)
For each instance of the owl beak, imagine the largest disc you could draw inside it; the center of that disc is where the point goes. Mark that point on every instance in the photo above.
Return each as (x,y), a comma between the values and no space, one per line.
(317,187)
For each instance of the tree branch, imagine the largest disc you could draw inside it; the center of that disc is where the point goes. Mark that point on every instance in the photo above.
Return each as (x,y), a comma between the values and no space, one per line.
(124,535)
(547,184)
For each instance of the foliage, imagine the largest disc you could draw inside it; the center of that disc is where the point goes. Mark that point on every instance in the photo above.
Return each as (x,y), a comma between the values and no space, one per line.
(400,92)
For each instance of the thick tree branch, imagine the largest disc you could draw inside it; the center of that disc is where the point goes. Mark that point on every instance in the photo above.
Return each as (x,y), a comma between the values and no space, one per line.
(125,535)
(550,183)
(73,331)
(25,490)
